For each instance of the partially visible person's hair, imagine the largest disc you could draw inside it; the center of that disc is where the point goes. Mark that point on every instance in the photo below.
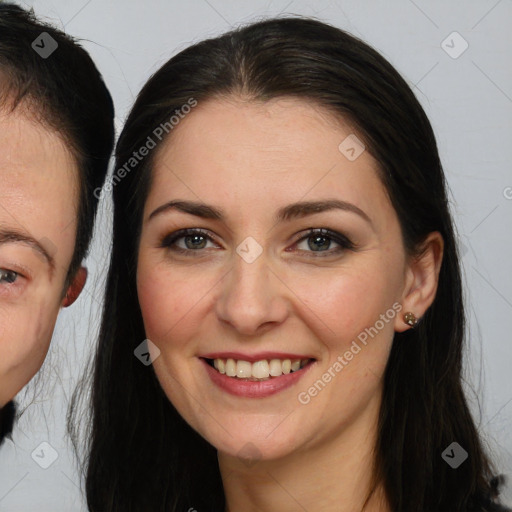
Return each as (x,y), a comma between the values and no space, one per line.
(65,92)
(142,455)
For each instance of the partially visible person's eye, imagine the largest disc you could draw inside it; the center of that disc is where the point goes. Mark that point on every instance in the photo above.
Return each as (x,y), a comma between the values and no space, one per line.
(187,241)
(319,241)
(8,276)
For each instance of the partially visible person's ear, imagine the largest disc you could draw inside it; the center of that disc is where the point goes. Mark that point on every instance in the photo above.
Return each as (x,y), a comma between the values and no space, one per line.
(422,278)
(75,288)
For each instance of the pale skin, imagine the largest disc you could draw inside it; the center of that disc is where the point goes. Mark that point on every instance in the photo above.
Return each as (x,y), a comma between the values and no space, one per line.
(250,159)
(38,208)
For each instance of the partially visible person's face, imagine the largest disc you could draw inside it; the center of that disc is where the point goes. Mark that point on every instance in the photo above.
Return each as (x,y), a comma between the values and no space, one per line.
(38,197)
(255,292)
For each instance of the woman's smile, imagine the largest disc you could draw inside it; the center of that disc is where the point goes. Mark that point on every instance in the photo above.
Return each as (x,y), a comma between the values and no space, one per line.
(262,377)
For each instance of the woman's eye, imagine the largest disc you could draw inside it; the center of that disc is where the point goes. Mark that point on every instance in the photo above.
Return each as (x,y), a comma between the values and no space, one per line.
(317,241)
(8,276)
(187,240)
(321,240)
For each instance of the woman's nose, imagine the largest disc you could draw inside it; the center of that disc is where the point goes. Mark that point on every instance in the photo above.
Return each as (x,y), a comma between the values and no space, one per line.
(252,297)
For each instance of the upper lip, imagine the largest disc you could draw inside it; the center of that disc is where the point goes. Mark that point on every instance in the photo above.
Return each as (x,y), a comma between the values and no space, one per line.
(255,357)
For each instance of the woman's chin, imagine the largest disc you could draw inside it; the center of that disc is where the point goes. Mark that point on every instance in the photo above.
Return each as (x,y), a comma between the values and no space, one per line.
(253,447)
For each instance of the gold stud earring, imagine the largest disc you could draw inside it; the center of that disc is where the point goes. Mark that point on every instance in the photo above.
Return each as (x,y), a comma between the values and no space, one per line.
(410,319)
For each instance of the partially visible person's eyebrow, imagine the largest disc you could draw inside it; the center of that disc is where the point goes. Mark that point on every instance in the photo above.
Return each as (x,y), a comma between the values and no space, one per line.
(295,210)
(12,236)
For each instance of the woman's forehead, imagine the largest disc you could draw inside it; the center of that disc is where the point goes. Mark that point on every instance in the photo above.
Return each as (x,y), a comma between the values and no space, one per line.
(284,149)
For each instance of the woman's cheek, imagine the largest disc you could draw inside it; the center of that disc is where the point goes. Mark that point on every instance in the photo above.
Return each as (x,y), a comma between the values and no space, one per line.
(346,303)
(166,299)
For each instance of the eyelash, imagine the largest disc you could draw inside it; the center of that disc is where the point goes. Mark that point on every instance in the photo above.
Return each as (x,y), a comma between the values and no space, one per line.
(344,243)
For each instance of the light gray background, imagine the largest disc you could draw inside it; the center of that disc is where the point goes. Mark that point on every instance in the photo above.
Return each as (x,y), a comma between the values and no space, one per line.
(469,102)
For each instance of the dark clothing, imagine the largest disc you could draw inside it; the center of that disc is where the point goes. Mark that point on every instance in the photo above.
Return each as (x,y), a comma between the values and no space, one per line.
(6,420)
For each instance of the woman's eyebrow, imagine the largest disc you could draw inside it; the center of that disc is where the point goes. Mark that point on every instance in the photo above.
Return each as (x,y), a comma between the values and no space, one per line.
(12,236)
(295,210)
(298,210)
(194,208)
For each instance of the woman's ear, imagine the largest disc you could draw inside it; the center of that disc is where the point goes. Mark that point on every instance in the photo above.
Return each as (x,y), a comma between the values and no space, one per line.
(75,288)
(422,277)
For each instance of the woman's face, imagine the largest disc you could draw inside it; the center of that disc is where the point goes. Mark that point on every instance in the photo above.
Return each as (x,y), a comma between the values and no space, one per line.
(37,237)
(255,294)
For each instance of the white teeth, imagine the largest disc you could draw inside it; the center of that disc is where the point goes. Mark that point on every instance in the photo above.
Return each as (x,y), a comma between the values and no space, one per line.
(276,368)
(260,369)
(243,369)
(230,367)
(263,369)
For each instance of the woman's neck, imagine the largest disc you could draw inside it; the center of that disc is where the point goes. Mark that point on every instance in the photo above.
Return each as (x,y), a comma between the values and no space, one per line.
(334,476)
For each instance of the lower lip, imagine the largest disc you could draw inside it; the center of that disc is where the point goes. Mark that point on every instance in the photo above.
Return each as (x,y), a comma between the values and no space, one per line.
(251,388)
